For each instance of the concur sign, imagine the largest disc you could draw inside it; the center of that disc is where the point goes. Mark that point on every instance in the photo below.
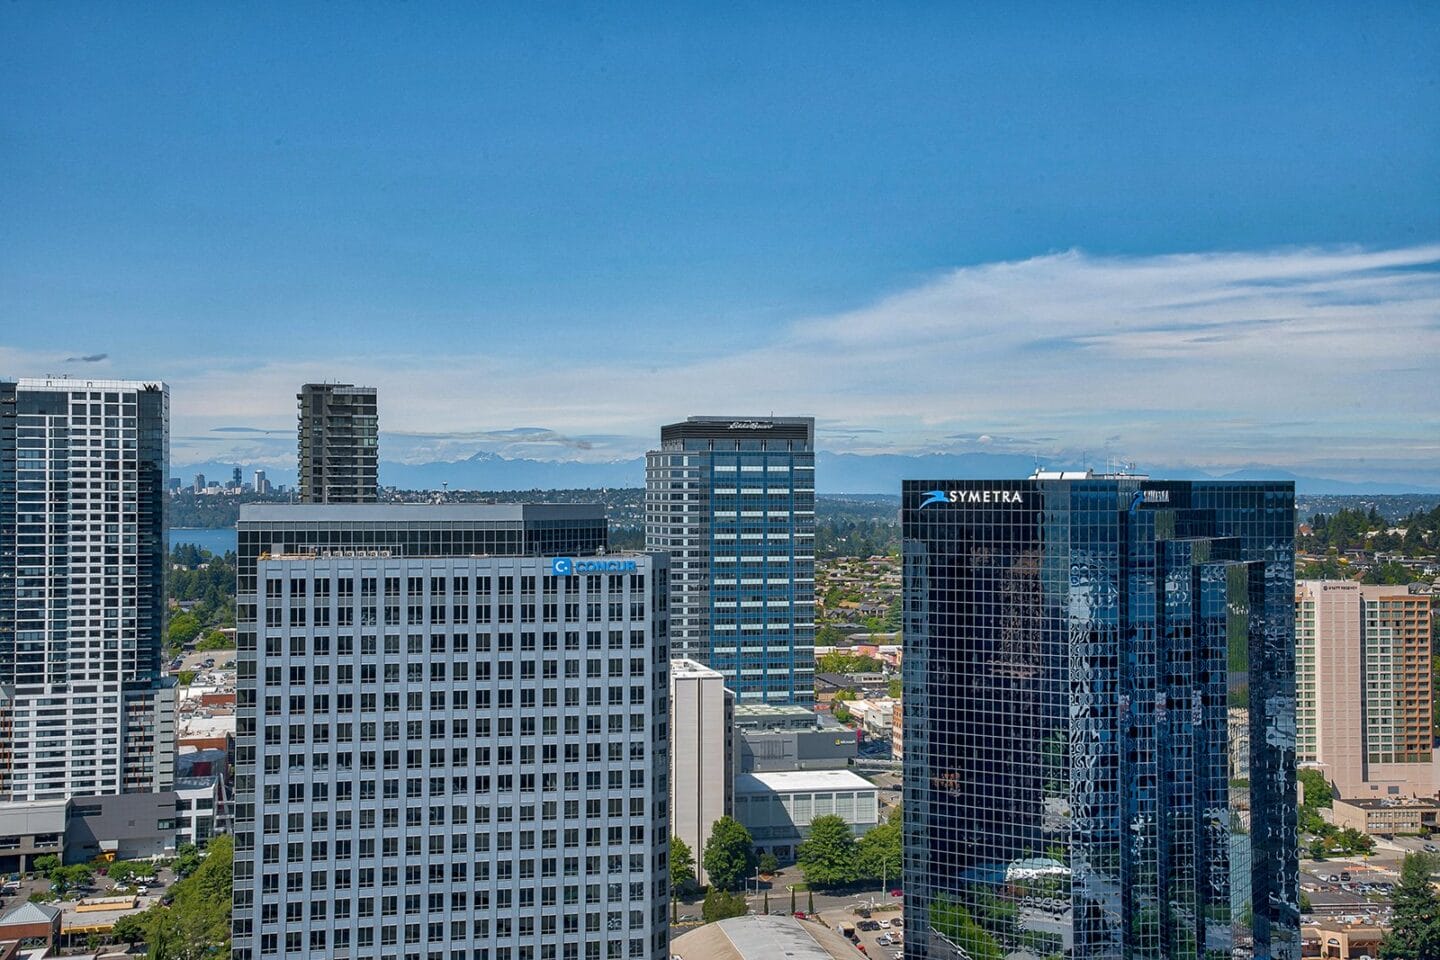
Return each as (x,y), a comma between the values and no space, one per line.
(565,566)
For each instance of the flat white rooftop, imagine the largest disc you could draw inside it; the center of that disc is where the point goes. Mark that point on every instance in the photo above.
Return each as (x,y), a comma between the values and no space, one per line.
(801,781)
(682,669)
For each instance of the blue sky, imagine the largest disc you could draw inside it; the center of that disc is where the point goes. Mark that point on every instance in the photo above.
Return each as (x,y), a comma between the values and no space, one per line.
(589,220)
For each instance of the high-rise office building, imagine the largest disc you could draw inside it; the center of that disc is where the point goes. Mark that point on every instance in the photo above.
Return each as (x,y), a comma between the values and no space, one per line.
(84,707)
(339,437)
(702,775)
(1074,648)
(1364,694)
(452,735)
(732,499)
(262,484)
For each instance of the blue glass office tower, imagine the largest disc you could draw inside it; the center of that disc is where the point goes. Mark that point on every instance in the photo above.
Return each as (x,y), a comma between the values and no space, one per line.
(732,500)
(1081,652)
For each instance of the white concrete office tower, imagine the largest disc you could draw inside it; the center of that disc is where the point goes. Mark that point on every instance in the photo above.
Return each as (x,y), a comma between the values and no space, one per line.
(448,753)
(732,499)
(84,708)
(702,715)
(339,453)
(1363,682)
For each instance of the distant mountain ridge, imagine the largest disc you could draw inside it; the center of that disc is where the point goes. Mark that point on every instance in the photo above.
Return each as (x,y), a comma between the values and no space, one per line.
(834,472)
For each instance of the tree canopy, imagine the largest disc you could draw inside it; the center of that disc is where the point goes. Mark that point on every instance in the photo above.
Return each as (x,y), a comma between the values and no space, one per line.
(1415,925)
(682,864)
(828,856)
(729,854)
(196,924)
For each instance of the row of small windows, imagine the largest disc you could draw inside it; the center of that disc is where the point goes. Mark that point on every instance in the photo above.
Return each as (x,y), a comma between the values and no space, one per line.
(457,586)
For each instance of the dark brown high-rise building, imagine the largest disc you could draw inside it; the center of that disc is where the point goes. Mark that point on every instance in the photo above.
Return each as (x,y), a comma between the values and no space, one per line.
(339,456)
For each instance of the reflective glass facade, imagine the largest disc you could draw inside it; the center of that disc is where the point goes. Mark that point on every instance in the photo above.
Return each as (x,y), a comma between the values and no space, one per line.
(732,500)
(1081,657)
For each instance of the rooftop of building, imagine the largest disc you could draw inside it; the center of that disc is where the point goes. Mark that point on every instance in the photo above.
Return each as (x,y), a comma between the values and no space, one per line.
(762,938)
(76,383)
(377,513)
(799,781)
(681,669)
(29,912)
(1390,803)
(195,784)
(771,710)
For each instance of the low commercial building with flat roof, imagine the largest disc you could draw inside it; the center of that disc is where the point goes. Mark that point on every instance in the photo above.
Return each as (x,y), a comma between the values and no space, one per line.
(1386,816)
(771,739)
(778,808)
(762,938)
(30,829)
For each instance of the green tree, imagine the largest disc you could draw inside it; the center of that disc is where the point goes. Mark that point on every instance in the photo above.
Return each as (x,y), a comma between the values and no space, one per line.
(1318,792)
(43,865)
(841,713)
(131,929)
(729,854)
(1415,925)
(719,905)
(65,879)
(682,864)
(184,627)
(196,924)
(894,688)
(880,851)
(215,640)
(187,860)
(828,856)
(769,863)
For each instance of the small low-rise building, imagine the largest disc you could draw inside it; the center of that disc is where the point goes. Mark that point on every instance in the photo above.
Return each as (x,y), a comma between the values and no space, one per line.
(1386,816)
(761,938)
(125,826)
(201,810)
(771,738)
(1333,940)
(30,829)
(778,808)
(31,924)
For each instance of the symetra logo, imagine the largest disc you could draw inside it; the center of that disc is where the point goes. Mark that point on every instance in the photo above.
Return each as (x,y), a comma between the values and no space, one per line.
(565,566)
(970,496)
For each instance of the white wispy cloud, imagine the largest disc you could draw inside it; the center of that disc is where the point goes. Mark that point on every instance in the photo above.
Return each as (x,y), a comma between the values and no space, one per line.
(1295,357)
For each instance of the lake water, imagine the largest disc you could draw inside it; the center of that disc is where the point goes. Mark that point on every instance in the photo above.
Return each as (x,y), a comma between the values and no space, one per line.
(217,541)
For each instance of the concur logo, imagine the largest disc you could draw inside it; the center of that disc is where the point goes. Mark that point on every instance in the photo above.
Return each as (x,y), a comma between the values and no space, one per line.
(970,496)
(565,566)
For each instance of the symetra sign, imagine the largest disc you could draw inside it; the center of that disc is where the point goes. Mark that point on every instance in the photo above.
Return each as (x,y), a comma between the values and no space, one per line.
(970,496)
(565,566)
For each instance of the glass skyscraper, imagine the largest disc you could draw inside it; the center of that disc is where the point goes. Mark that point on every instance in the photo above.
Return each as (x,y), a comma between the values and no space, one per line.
(1082,653)
(732,500)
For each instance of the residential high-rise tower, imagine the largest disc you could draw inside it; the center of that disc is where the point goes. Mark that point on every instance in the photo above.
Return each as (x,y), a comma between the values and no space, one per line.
(732,499)
(84,707)
(1364,688)
(339,435)
(1079,651)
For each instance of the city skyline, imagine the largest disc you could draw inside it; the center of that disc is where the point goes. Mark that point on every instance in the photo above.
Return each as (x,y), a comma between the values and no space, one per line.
(942,230)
